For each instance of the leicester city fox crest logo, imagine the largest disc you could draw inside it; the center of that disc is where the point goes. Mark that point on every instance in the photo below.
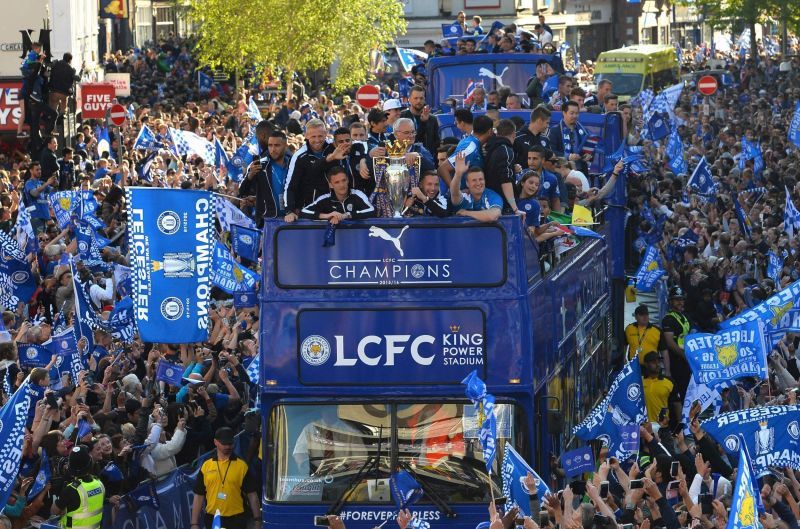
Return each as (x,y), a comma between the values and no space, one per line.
(727,354)
(779,312)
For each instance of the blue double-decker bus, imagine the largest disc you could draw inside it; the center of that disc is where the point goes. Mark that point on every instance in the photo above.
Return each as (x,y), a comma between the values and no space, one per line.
(367,343)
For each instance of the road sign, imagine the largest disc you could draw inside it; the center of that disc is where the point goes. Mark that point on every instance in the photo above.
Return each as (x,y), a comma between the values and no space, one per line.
(368,96)
(117,115)
(707,85)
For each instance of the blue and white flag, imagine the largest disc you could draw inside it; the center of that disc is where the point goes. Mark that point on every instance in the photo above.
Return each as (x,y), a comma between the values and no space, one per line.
(410,57)
(121,323)
(791,216)
(664,102)
(187,142)
(707,395)
(252,110)
(229,275)
(701,180)
(746,504)
(744,219)
(17,282)
(147,167)
(794,126)
(216,523)
(244,300)
(228,215)
(577,461)
(7,382)
(730,354)
(643,98)
(658,126)
(123,280)
(515,471)
(13,417)
(243,157)
(86,319)
(771,434)
(33,355)
(453,30)
(23,230)
(751,151)
(66,346)
(146,140)
(220,156)
(145,496)
(487,421)
(169,373)
(245,242)
(622,406)
(775,313)
(103,141)
(42,477)
(253,368)
(89,241)
(650,270)
(171,240)
(204,82)
(405,489)
(82,204)
(774,266)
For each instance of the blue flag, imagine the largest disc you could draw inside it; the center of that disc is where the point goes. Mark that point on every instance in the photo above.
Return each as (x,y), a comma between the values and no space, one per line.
(658,126)
(650,270)
(453,30)
(243,157)
(774,312)
(7,390)
(65,204)
(112,472)
(146,168)
(484,406)
(13,417)
(169,373)
(746,503)
(220,156)
(774,266)
(701,180)
(751,151)
(229,275)
(204,82)
(243,300)
(622,406)
(732,353)
(33,355)
(146,140)
(405,489)
(103,141)
(744,220)
(66,347)
(578,461)
(42,477)
(122,278)
(410,57)
(245,242)
(171,239)
(144,496)
(791,216)
(120,323)
(89,242)
(794,126)
(17,282)
(514,472)
(83,429)
(217,521)
(86,319)
(252,110)
(677,162)
(771,434)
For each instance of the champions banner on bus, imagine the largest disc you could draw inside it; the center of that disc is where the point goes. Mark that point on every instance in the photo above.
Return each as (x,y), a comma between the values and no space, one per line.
(390,256)
(391,346)
(171,239)
(772,435)
(730,354)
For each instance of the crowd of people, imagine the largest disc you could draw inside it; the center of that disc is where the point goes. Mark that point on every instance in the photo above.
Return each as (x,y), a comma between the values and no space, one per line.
(319,157)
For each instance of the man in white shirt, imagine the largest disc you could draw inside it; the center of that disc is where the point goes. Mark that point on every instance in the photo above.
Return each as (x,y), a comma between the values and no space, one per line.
(101,295)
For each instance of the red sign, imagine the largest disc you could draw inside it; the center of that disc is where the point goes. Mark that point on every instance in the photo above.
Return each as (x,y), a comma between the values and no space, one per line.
(117,115)
(96,99)
(10,105)
(707,85)
(368,96)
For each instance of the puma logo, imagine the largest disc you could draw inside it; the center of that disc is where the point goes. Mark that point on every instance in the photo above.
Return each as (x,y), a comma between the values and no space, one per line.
(485,72)
(374,231)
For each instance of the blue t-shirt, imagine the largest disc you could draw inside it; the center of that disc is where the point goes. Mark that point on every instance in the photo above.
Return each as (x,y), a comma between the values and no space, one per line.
(42,203)
(279,179)
(549,187)
(533,211)
(489,199)
(472,148)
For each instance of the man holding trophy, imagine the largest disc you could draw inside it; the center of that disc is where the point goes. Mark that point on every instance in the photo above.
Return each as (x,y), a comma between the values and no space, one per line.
(397,173)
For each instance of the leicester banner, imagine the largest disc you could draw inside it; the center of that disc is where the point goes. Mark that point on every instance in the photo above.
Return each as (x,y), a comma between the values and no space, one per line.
(13,417)
(623,406)
(171,239)
(730,354)
(515,471)
(771,434)
(772,312)
(17,283)
(245,242)
(650,270)
(229,275)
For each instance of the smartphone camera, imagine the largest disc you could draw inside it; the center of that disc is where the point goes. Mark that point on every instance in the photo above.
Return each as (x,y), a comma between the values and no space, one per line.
(636,484)
(673,469)
(321,521)
(706,500)
(604,489)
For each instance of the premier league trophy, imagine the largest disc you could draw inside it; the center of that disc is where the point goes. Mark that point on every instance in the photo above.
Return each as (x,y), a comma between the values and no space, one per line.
(394,178)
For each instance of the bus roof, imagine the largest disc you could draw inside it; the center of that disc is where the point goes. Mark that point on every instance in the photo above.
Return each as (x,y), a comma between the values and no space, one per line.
(639,50)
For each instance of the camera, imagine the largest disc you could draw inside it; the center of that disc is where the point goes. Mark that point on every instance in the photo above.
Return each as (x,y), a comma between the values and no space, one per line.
(50,398)
(321,521)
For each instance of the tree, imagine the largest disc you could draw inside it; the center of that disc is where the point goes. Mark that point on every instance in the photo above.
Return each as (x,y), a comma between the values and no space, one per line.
(296,35)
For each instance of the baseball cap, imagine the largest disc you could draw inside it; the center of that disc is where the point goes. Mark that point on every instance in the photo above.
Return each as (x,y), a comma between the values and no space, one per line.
(224,435)
(640,310)
(392,104)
